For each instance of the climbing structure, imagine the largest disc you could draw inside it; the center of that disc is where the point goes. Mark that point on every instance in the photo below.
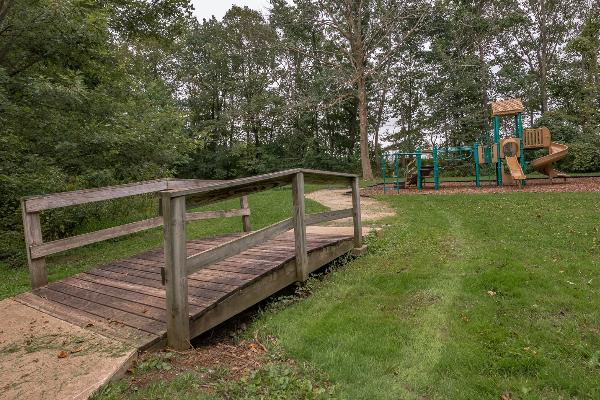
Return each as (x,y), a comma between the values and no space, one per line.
(506,154)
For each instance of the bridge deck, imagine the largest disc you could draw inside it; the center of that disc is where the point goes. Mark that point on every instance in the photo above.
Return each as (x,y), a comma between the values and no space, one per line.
(126,299)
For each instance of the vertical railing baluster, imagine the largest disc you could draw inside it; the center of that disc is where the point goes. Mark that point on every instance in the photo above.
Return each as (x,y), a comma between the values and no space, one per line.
(299,227)
(178,323)
(32,228)
(356,218)
(247,226)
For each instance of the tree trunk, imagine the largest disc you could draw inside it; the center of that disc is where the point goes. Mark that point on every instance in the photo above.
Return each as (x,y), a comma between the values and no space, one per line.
(367,172)
(543,62)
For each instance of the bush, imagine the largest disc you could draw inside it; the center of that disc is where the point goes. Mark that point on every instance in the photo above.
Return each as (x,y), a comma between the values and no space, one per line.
(583,157)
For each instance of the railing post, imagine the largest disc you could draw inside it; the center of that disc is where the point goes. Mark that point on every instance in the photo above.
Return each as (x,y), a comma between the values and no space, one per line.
(358,245)
(32,228)
(178,323)
(247,226)
(299,227)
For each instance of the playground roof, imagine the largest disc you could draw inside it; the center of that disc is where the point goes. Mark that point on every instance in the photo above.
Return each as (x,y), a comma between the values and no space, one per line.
(507,107)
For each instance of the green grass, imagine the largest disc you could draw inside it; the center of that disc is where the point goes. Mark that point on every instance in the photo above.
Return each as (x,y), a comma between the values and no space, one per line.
(464,297)
(266,207)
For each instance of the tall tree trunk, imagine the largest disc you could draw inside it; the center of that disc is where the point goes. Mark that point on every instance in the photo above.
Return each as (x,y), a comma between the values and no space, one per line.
(543,55)
(365,161)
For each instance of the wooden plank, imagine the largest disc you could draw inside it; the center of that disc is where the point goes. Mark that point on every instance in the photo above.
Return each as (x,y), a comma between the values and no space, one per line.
(216,214)
(175,274)
(143,290)
(32,230)
(264,287)
(246,225)
(299,218)
(222,284)
(108,313)
(143,310)
(356,217)
(129,295)
(317,218)
(236,246)
(203,294)
(64,199)
(57,246)
(94,323)
(244,186)
(212,288)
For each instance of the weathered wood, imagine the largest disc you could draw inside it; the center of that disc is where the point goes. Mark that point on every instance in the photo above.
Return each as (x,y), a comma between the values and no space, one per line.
(178,323)
(260,289)
(236,246)
(108,313)
(317,218)
(83,319)
(299,227)
(57,246)
(32,229)
(244,186)
(57,200)
(356,213)
(195,216)
(246,225)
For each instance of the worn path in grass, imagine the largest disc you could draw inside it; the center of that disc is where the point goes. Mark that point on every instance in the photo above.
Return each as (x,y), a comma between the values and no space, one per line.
(462,297)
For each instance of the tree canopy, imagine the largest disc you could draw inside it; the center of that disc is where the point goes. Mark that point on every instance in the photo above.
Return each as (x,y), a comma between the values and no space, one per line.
(101,92)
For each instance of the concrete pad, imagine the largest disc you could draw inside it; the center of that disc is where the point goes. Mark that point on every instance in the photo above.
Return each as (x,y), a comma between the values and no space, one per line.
(42,357)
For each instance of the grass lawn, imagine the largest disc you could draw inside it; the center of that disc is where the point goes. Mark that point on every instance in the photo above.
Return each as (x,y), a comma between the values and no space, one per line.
(266,208)
(464,297)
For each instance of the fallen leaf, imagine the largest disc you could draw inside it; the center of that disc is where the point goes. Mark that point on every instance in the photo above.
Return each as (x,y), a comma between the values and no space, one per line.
(506,396)
(63,354)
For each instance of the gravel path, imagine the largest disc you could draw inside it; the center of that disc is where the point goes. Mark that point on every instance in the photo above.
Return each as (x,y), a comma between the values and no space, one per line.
(339,199)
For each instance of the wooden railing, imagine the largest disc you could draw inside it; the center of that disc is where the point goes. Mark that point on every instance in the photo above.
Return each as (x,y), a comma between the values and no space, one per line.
(37,249)
(178,265)
(535,138)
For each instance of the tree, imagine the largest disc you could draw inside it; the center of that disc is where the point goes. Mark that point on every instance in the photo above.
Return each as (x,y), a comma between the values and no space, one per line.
(361,28)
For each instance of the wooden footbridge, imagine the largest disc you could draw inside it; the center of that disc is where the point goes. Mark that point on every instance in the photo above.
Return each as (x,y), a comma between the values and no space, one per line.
(170,295)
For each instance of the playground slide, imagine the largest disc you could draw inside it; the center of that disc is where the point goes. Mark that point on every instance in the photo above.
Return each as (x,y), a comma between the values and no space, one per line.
(515,168)
(543,164)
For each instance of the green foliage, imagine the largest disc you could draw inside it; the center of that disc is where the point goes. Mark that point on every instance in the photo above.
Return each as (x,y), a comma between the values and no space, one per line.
(78,110)
(583,156)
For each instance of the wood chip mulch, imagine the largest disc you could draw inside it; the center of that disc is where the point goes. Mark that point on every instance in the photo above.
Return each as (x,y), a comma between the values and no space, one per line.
(585,184)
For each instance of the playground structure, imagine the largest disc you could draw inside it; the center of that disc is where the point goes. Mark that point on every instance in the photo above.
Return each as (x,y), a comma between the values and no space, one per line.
(506,155)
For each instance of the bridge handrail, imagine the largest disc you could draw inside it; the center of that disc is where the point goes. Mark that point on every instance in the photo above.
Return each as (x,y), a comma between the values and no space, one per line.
(31,207)
(178,265)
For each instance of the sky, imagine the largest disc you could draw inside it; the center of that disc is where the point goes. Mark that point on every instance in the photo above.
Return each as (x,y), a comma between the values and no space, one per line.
(218,8)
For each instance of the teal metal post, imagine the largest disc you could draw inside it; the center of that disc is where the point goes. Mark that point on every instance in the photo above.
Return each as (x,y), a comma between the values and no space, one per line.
(436,176)
(397,170)
(519,124)
(497,143)
(383,170)
(476,158)
(419,183)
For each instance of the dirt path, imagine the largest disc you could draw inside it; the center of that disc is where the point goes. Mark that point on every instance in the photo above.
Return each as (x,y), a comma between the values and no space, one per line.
(42,357)
(339,199)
